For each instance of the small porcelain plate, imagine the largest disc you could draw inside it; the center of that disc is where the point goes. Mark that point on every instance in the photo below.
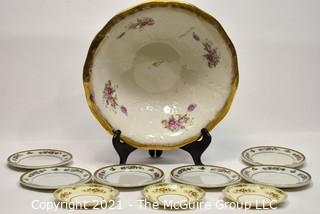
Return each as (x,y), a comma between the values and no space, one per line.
(173,195)
(273,155)
(160,72)
(86,195)
(55,177)
(277,176)
(206,176)
(39,158)
(254,195)
(129,175)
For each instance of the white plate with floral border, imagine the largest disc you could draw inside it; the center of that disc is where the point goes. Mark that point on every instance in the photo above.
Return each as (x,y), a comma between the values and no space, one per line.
(173,195)
(55,177)
(254,195)
(86,195)
(206,176)
(277,176)
(128,175)
(39,158)
(273,155)
(160,72)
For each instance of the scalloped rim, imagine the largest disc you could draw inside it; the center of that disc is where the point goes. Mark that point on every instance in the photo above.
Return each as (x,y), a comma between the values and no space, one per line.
(203,193)
(105,200)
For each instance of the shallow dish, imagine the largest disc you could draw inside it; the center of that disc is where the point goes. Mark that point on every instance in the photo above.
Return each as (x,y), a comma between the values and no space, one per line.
(55,177)
(173,195)
(273,155)
(86,195)
(129,175)
(277,176)
(254,195)
(39,158)
(206,176)
(160,72)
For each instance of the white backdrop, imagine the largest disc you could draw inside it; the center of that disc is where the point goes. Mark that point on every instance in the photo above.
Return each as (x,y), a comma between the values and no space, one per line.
(43,45)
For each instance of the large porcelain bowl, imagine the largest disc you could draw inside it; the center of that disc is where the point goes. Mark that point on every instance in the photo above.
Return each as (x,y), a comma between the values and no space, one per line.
(160,72)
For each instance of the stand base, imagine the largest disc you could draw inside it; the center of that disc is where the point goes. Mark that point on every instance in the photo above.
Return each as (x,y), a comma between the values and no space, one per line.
(195,149)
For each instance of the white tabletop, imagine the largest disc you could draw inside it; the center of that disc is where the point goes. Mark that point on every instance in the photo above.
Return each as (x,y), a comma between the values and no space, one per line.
(43,45)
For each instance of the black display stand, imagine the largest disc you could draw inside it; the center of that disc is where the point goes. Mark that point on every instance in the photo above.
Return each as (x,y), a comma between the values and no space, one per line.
(195,149)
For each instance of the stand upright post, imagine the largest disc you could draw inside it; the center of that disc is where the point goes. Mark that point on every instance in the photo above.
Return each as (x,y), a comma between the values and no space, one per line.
(197,148)
(123,149)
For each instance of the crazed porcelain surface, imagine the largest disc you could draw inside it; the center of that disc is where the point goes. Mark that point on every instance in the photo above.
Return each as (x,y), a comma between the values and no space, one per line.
(160,72)
(256,195)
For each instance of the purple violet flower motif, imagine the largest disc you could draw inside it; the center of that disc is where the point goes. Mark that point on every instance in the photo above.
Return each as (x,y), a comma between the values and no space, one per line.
(176,122)
(195,36)
(109,95)
(124,110)
(191,107)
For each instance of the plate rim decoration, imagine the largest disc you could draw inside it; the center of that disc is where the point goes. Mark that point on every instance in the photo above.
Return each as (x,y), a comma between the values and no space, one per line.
(46,187)
(98,180)
(87,70)
(254,163)
(143,192)
(205,185)
(21,166)
(74,188)
(228,196)
(300,184)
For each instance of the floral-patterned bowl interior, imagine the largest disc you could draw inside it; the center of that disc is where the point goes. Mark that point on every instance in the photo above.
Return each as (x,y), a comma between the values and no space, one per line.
(160,72)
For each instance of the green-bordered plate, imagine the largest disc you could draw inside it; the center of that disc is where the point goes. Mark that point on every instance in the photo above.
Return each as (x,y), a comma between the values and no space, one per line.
(277,176)
(206,176)
(129,175)
(55,177)
(39,158)
(273,155)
